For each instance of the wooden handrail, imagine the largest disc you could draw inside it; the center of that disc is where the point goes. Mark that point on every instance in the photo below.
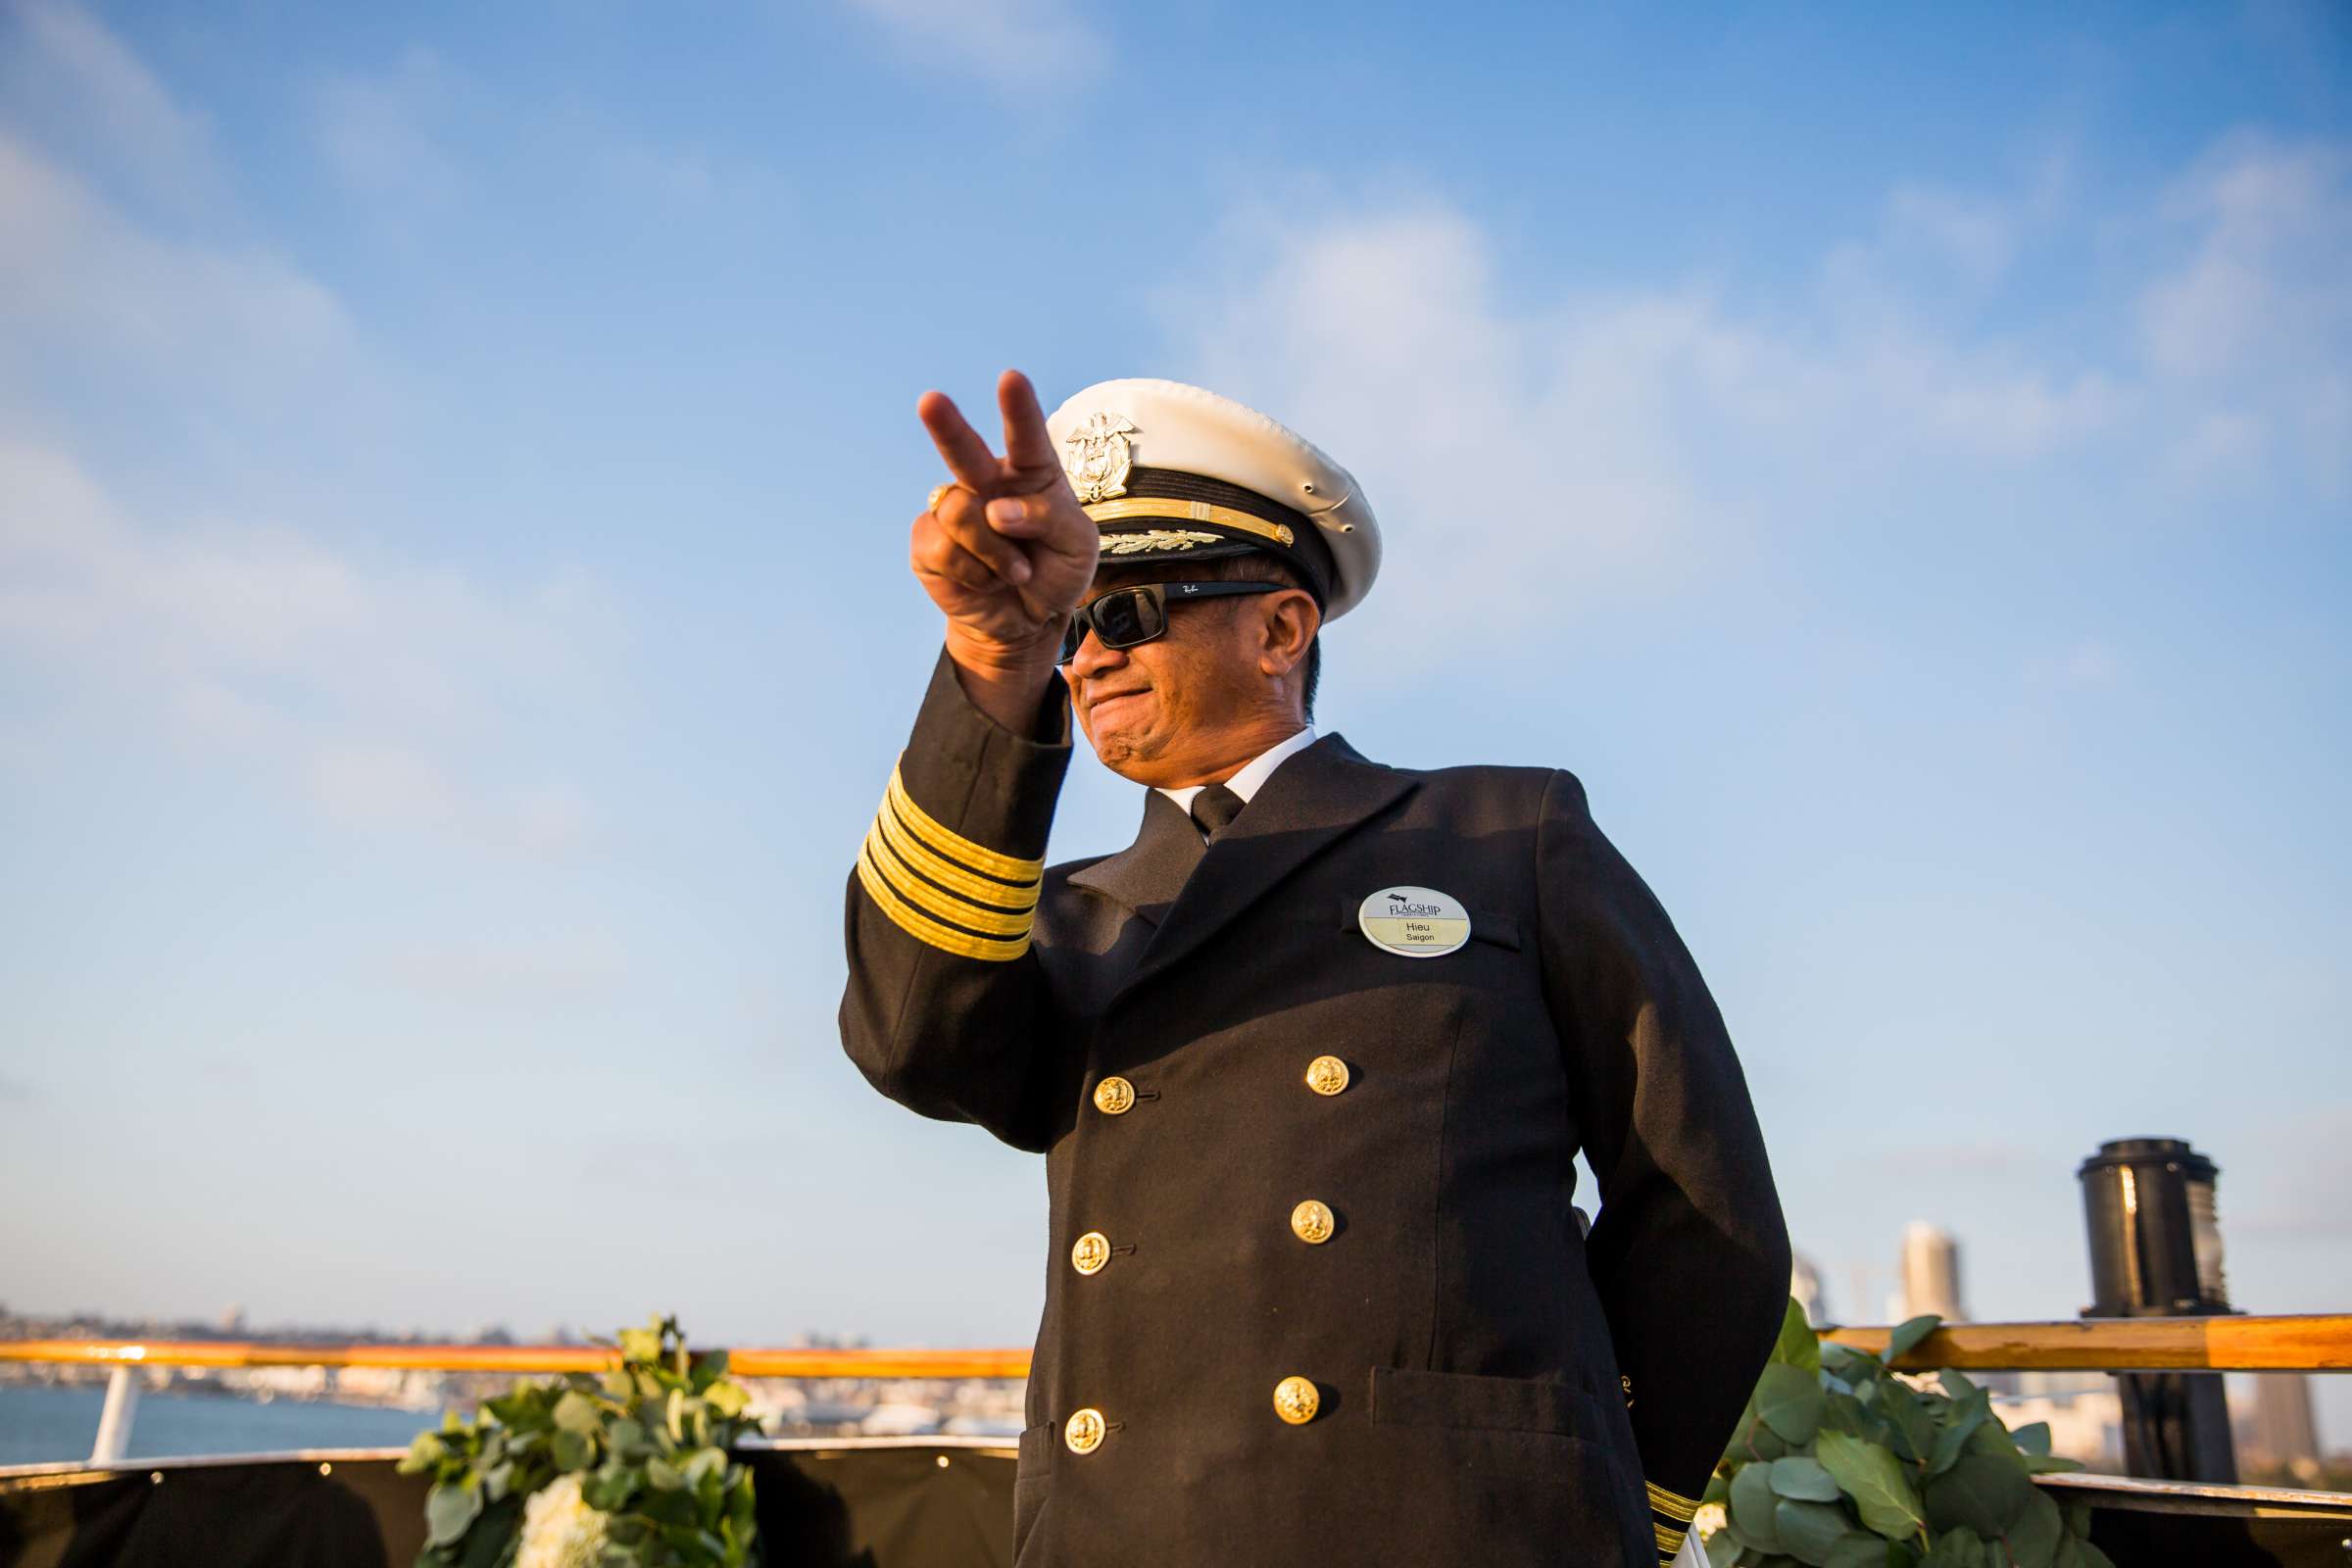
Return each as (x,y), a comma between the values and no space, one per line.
(2316,1343)
(756,1363)
(2319,1342)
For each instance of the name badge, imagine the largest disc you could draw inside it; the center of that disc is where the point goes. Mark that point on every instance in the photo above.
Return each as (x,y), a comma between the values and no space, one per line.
(1414,922)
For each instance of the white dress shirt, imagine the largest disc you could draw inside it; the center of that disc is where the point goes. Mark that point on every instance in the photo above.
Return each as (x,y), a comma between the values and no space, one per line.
(1254,773)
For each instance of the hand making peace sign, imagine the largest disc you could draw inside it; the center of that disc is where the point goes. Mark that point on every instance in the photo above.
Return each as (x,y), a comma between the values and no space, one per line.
(1004,551)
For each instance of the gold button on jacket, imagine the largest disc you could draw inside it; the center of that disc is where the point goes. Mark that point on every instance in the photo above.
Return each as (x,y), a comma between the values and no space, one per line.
(1091,1251)
(1083,1431)
(1311,1222)
(1327,1075)
(1112,1097)
(1297,1401)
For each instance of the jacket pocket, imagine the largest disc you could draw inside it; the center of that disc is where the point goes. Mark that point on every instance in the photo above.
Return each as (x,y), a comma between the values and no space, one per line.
(1466,1401)
(1029,1481)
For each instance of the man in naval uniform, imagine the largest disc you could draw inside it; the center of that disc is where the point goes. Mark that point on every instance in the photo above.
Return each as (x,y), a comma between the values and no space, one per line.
(1309,1060)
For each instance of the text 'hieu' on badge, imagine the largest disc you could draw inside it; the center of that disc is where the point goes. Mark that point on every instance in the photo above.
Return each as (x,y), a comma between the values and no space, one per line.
(1414,922)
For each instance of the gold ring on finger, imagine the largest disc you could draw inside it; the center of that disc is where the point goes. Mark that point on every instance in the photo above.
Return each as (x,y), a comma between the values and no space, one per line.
(937,492)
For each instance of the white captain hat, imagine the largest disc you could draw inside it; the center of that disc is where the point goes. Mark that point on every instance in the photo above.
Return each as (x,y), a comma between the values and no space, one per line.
(1173,473)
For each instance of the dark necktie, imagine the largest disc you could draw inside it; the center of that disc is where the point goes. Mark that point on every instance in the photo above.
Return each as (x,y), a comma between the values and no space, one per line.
(1213,808)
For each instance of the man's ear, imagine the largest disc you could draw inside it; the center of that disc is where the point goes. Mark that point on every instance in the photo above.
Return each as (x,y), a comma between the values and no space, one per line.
(1290,625)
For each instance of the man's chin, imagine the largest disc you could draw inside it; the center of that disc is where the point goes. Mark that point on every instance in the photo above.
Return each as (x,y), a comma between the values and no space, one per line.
(1120,750)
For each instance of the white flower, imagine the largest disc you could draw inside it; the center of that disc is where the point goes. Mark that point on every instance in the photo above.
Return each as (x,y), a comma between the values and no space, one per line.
(558,1529)
(1710,1519)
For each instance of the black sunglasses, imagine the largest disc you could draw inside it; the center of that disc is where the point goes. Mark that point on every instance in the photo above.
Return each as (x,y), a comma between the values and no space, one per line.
(1126,616)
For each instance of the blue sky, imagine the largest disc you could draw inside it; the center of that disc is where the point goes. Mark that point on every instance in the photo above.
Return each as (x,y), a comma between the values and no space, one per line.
(455,466)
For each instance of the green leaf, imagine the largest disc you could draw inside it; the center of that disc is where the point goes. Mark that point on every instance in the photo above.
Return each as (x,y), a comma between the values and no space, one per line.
(1809,1530)
(576,1412)
(1971,1412)
(2034,1439)
(1846,1361)
(1982,1491)
(2033,1539)
(1801,1476)
(628,1437)
(1858,1548)
(610,1487)
(663,1475)
(448,1510)
(1909,1333)
(496,1480)
(1846,1414)
(1791,1401)
(1875,1480)
(1723,1550)
(1958,1387)
(1798,1344)
(1956,1549)
(1914,1428)
(2042,1464)
(728,1399)
(641,1344)
(620,1384)
(1751,1509)
(425,1450)
(1992,1438)
(573,1450)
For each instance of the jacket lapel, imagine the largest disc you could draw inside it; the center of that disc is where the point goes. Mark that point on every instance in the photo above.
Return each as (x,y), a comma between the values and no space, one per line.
(1313,799)
(1148,874)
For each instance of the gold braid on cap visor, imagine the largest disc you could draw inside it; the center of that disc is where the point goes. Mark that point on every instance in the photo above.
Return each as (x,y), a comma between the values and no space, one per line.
(1173,511)
(943,889)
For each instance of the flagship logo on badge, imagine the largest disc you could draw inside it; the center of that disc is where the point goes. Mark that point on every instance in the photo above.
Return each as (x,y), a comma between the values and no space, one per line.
(1414,922)
(1099,457)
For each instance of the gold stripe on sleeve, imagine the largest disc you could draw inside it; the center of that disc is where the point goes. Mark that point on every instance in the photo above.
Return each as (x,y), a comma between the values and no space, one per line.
(1673,1504)
(946,873)
(945,840)
(947,906)
(924,929)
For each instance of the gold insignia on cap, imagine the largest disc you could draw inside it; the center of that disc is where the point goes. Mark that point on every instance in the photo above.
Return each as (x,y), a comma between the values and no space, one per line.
(1129,544)
(1099,457)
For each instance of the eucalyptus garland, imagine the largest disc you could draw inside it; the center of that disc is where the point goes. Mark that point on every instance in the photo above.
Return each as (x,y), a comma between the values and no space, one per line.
(1840,1462)
(632,1469)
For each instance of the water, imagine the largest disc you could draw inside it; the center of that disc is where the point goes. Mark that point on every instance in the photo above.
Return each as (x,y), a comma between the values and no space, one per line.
(40,1425)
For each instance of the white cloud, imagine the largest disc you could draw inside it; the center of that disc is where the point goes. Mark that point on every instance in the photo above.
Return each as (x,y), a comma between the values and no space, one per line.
(76,272)
(374,132)
(2268,273)
(2088,664)
(371,785)
(359,681)
(66,71)
(2252,332)
(1014,43)
(532,970)
(1629,431)
(1626,431)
